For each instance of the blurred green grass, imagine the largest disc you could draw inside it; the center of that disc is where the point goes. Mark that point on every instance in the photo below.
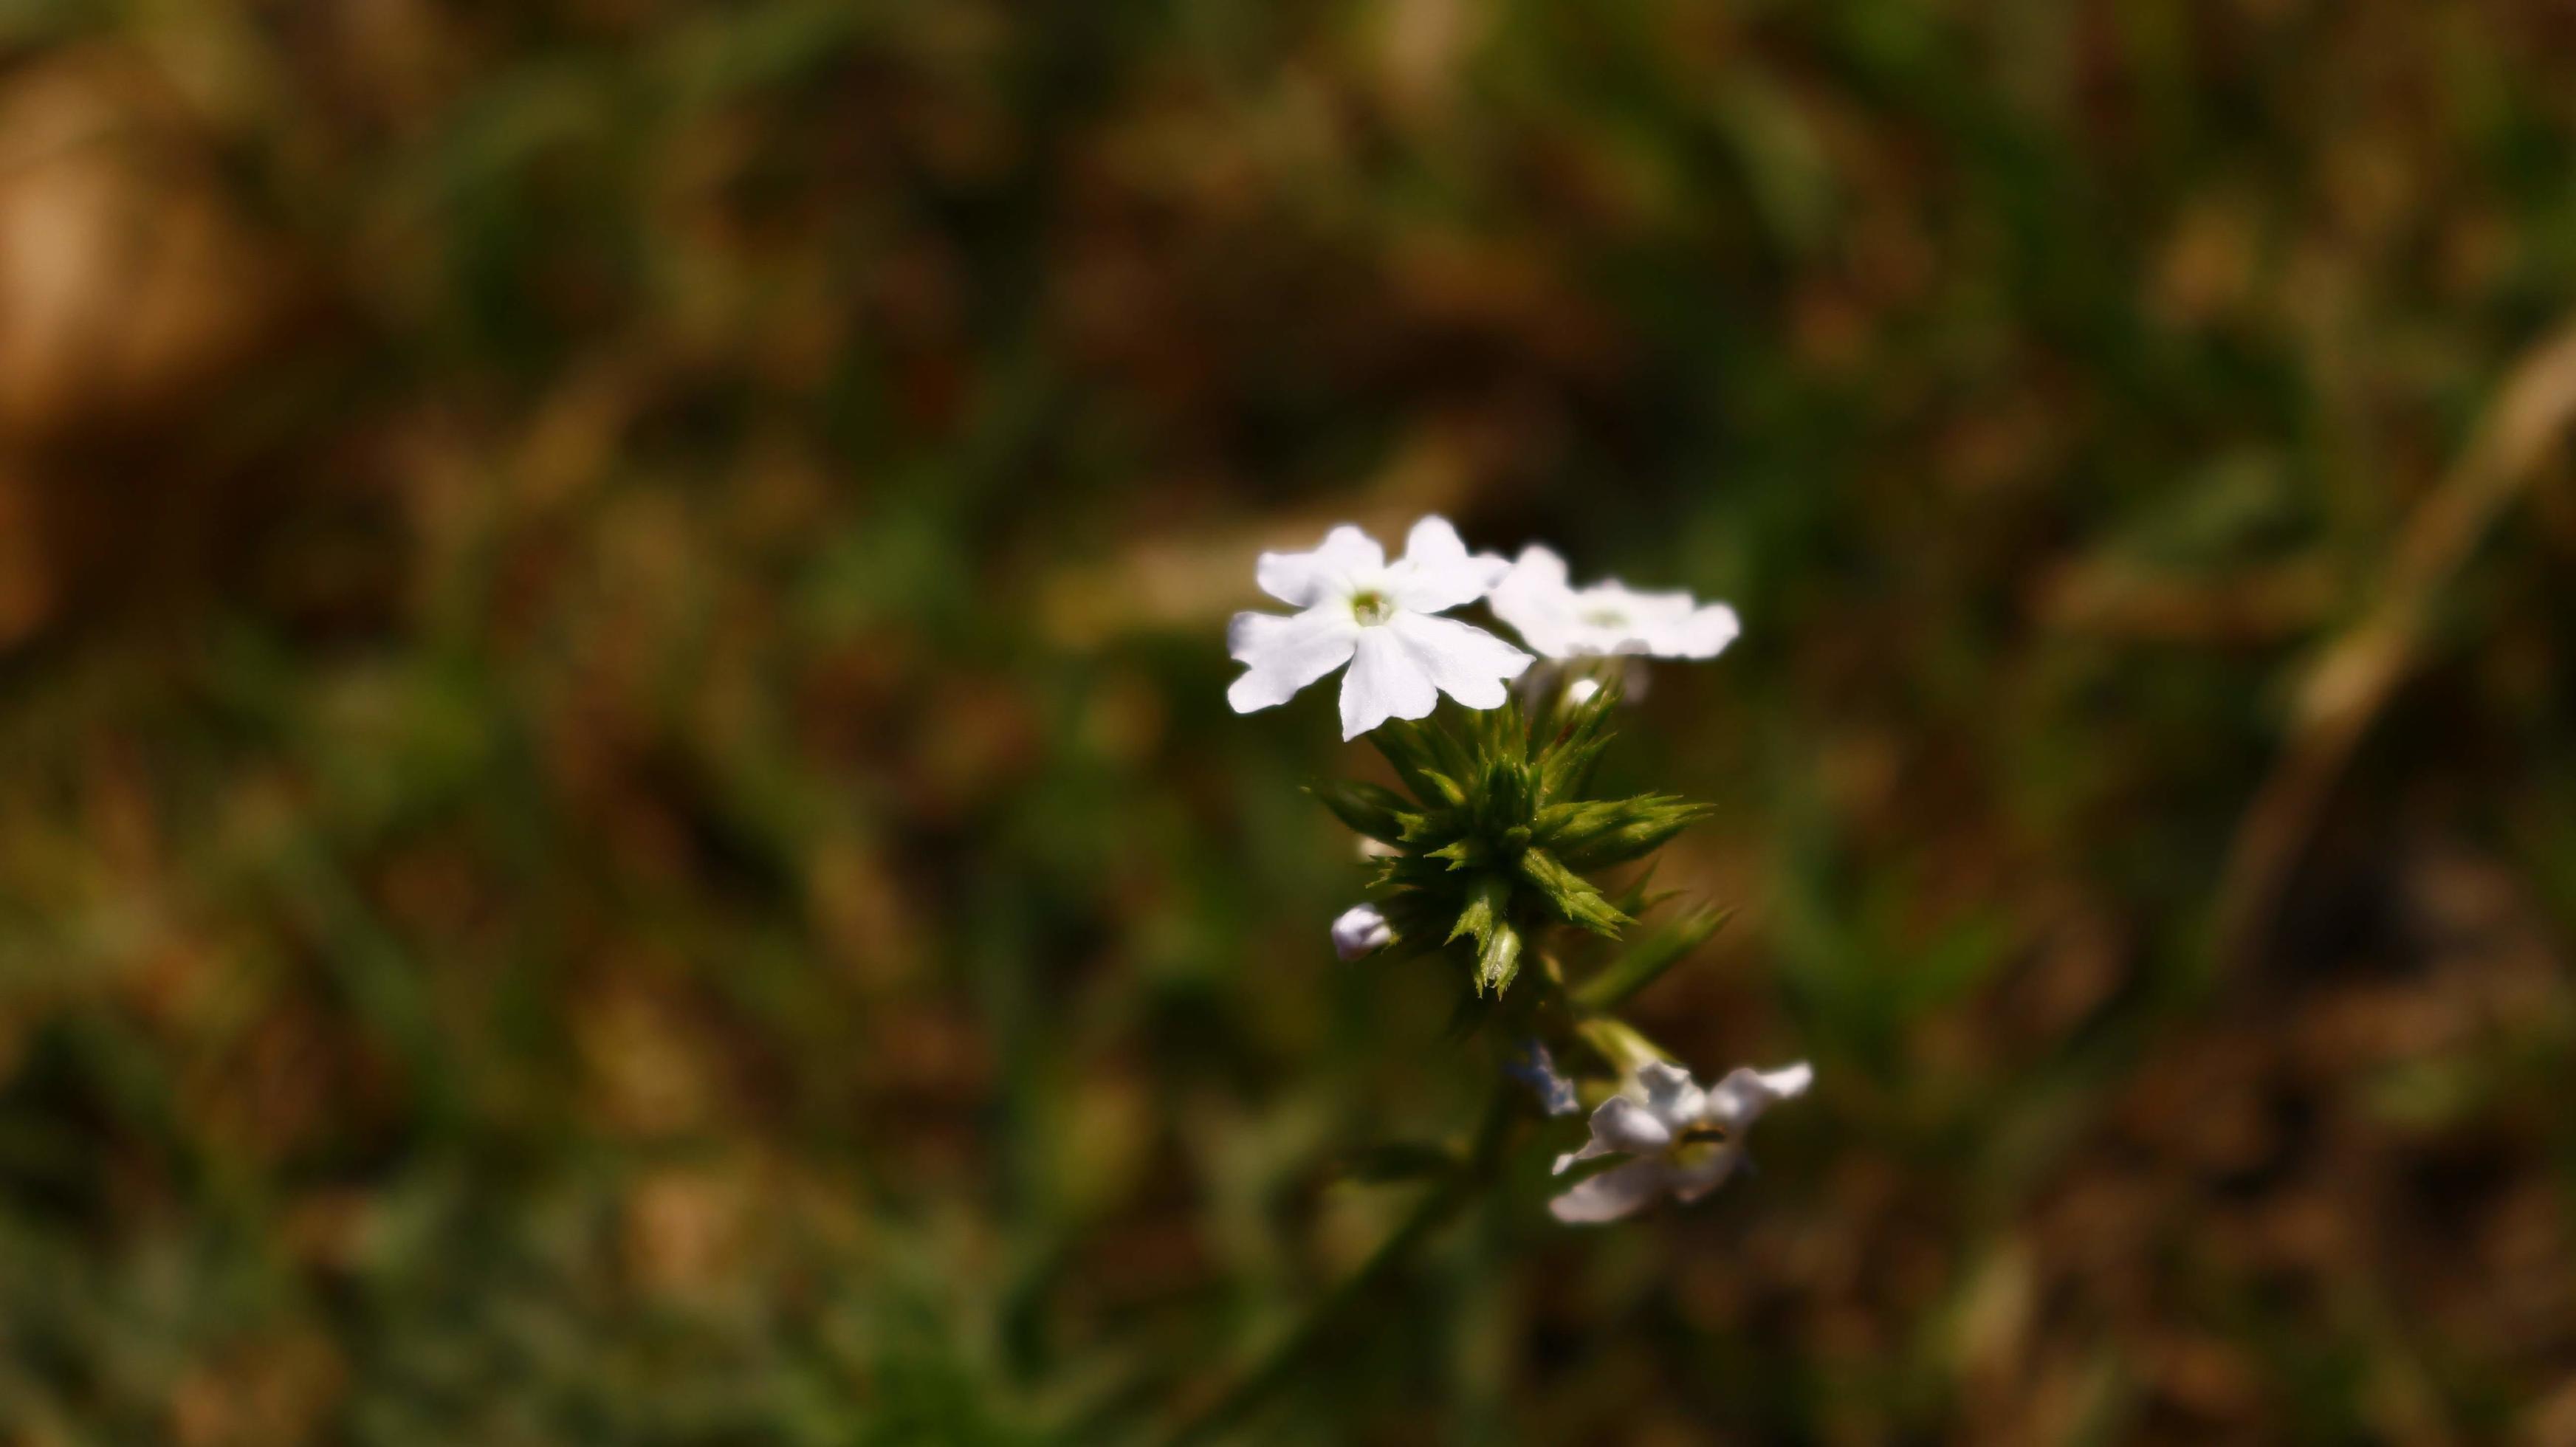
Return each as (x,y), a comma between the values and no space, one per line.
(618,823)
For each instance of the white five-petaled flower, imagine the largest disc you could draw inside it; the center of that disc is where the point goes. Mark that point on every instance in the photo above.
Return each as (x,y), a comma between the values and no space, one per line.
(1361,930)
(1563,621)
(1682,1140)
(1377,616)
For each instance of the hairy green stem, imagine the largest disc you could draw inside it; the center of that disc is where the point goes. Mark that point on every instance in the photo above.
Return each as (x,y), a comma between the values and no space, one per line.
(1281,1364)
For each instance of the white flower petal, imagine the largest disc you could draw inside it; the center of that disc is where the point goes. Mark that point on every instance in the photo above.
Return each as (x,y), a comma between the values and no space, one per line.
(1534,599)
(1619,1191)
(1302,580)
(1283,655)
(1611,617)
(1386,681)
(1538,572)
(1739,1100)
(1461,659)
(1361,930)
(1437,573)
(1608,618)
(1621,1124)
(1695,632)
(1669,1092)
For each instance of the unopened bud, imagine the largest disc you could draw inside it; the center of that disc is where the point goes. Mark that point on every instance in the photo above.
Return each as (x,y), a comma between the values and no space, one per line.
(1361,930)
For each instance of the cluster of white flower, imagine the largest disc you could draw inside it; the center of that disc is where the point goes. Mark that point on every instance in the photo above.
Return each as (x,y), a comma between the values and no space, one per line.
(1384,621)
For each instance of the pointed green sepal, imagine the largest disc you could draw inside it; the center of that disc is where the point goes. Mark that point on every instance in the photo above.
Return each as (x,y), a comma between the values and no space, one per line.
(1370,809)
(1441,791)
(1615,831)
(1565,762)
(1506,796)
(1468,853)
(1499,961)
(1405,747)
(1570,897)
(1488,899)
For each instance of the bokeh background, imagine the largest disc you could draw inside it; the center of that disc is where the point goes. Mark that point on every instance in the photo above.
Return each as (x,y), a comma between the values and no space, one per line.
(617,822)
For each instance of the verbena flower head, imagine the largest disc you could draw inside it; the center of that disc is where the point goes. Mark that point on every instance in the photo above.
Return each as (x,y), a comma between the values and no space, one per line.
(1490,852)
(1380,618)
(1563,621)
(1682,1141)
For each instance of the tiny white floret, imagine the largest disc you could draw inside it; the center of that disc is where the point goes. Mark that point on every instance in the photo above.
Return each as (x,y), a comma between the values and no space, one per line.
(1683,1141)
(1380,618)
(1563,621)
(1361,930)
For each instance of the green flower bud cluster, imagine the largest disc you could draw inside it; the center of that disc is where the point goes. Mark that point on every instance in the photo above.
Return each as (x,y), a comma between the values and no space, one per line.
(1489,842)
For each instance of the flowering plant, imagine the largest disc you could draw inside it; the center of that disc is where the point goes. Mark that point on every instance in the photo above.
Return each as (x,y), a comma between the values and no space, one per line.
(1489,850)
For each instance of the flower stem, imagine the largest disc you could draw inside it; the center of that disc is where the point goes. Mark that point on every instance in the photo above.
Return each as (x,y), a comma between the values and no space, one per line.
(1281,1364)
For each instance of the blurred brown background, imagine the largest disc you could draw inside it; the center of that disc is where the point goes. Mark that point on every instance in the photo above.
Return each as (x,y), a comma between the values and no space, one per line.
(617,822)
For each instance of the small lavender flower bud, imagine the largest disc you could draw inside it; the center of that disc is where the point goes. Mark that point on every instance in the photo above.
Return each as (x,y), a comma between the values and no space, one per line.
(1536,1068)
(1361,930)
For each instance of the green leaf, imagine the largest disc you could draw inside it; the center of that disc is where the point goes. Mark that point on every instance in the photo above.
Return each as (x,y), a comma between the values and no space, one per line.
(1645,961)
(1370,809)
(1569,895)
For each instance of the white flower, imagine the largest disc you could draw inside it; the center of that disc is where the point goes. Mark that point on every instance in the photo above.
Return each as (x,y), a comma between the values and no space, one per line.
(1684,1141)
(1562,621)
(1378,617)
(1361,930)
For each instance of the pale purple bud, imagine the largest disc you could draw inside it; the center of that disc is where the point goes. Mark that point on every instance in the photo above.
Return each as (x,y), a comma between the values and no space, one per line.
(1361,930)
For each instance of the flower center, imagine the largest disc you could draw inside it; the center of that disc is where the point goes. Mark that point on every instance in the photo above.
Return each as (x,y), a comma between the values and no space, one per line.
(1697,1146)
(1372,607)
(1606,618)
